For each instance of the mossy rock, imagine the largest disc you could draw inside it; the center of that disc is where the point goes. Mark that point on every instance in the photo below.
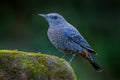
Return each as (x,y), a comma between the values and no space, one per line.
(19,65)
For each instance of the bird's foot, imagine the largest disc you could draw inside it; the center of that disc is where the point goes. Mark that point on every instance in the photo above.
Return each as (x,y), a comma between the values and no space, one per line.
(73,56)
(64,55)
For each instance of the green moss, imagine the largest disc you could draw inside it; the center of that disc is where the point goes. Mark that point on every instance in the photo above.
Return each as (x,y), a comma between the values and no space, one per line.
(19,65)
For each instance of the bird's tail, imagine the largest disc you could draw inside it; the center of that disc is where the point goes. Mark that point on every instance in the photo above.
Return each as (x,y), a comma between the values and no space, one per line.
(92,61)
(95,65)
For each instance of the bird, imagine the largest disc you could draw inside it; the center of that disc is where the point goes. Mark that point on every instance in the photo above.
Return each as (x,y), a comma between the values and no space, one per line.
(67,39)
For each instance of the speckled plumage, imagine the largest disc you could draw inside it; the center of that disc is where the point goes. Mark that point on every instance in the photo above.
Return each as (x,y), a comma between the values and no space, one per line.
(67,38)
(58,37)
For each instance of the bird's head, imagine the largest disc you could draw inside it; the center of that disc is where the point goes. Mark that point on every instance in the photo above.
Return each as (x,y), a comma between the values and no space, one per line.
(54,19)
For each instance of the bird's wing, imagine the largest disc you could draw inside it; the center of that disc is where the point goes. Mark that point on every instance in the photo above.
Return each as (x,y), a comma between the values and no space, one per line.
(76,37)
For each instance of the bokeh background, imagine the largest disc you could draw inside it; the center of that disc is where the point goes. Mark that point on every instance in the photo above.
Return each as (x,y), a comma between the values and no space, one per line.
(97,20)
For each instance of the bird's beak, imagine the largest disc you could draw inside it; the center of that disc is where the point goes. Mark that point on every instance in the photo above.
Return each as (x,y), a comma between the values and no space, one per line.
(43,15)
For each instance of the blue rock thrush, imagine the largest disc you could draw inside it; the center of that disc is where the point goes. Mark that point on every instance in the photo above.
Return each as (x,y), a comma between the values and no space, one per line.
(67,39)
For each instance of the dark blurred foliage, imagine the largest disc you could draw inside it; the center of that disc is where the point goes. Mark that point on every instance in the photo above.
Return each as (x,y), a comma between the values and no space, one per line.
(97,20)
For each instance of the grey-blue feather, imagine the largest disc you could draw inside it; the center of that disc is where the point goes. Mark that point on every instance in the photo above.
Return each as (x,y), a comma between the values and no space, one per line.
(76,37)
(62,41)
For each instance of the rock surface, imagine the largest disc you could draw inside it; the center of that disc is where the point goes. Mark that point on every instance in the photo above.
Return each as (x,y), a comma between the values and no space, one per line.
(19,65)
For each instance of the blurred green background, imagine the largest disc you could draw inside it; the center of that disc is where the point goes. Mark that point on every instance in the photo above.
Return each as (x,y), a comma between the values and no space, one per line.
(97,20)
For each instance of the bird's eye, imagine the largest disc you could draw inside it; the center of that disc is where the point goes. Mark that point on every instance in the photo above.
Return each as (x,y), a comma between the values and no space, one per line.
(54,17)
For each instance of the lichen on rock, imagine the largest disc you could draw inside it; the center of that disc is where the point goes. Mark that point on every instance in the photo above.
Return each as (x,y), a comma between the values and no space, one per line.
(19,65)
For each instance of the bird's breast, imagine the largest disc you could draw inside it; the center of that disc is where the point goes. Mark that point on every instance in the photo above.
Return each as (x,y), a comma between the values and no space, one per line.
(56,37)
